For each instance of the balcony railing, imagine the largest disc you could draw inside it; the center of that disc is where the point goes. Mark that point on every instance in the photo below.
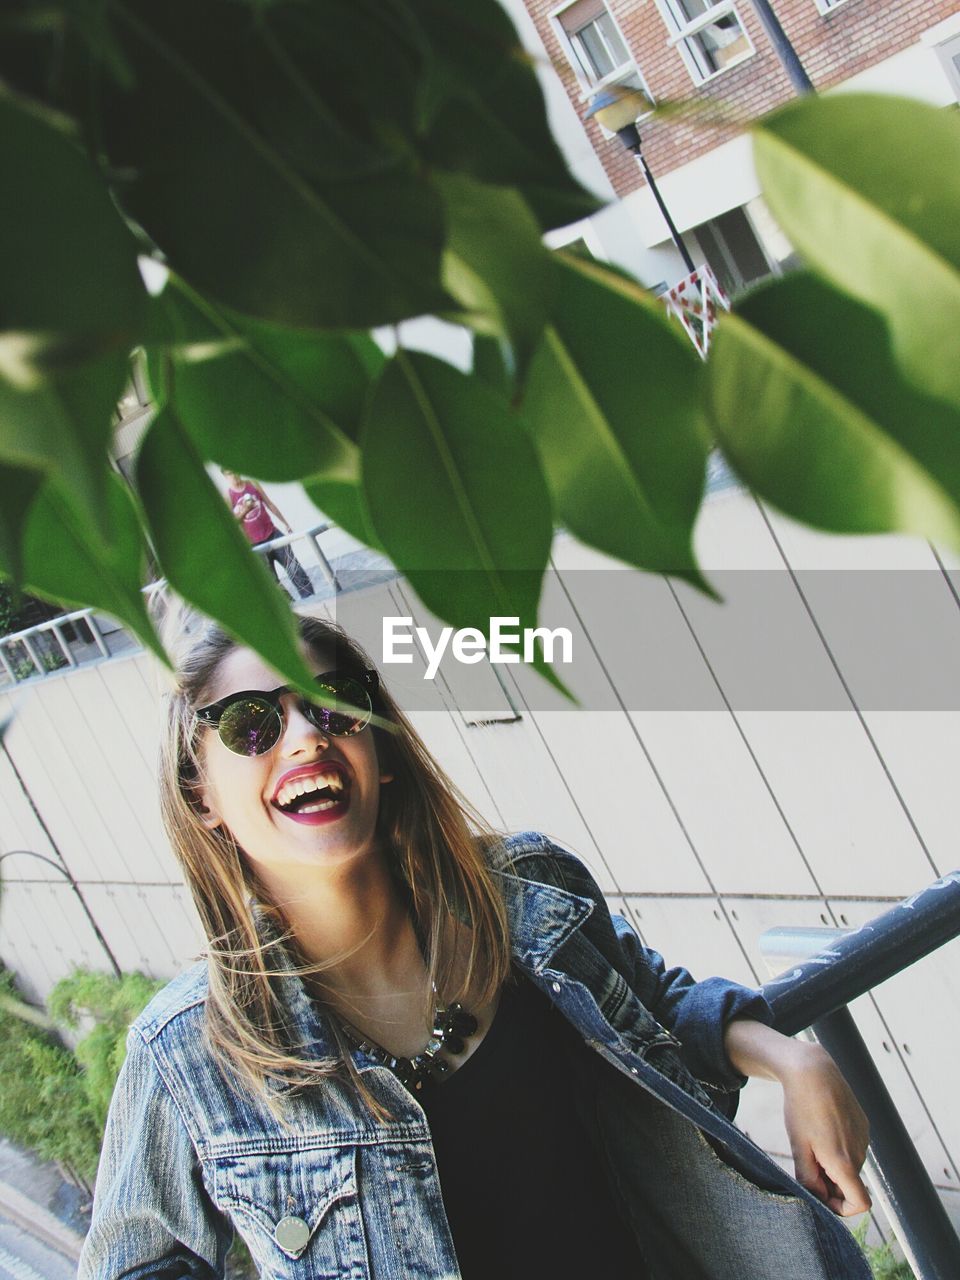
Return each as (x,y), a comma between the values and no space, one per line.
(830,968)
(83,636)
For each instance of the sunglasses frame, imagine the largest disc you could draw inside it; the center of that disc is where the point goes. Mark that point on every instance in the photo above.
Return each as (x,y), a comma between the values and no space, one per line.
(212,714)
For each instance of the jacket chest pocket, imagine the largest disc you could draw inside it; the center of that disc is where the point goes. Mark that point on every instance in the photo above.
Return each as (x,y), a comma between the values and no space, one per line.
(297,1211)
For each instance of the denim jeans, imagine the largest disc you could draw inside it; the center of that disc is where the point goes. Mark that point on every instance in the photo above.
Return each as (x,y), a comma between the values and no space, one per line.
(286,557)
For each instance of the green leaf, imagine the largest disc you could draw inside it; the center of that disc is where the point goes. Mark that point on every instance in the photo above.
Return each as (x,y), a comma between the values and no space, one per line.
(270,402)
(831,431)
(613,401)
(45,47)
(495,264)
(172,321)
(203,553)
(868,188)
(18,488)
(62,562)
(359,66)
(490,365)
(71,287)
(488,117)
(63,427)
(343,503)
(240,168)
(477,542)
(282,371)
(70,307)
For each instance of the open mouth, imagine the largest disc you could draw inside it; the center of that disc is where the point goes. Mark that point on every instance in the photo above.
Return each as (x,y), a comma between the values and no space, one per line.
(324,791)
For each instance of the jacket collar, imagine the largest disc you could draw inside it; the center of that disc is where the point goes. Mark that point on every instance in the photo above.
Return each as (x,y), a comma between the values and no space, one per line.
(541,918)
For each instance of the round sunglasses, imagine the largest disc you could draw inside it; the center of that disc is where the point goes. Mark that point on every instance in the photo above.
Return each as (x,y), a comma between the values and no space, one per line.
(251,721)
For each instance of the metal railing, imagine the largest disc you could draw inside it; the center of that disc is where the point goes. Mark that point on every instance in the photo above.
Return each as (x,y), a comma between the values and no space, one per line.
(831,967)
(37,654)
(313,534)
(40,657)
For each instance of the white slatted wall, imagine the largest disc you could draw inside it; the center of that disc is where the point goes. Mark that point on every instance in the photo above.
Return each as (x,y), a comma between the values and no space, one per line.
(707,826)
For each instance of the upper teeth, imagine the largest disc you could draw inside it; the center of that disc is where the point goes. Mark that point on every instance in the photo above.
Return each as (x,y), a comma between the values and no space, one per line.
(315,782)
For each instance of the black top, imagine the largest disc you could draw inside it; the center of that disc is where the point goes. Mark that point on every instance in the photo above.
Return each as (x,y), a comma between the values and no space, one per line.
(524,1189)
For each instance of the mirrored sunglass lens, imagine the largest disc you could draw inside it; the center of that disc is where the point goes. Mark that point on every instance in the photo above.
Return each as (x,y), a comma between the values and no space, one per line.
(249,727)
(352,710)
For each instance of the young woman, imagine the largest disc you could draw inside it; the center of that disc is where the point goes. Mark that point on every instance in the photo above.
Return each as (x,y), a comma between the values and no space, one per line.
(419,1049)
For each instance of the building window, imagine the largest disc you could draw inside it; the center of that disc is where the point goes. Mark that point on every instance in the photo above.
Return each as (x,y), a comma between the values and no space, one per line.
(949,54)
(710,37)
(599,47)
(595,47)
(826,6)
(733,249)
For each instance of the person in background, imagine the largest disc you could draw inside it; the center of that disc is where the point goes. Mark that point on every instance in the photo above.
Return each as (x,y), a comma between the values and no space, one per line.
(254,509)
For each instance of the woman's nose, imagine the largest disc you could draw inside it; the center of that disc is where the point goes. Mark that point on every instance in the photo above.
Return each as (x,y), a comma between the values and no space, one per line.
(300,734)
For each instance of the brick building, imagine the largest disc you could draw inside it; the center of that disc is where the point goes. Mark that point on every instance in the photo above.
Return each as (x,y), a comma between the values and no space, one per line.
(717,60)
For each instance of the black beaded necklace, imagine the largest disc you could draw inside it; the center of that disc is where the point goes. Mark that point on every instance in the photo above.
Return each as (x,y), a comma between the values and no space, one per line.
(451,1025)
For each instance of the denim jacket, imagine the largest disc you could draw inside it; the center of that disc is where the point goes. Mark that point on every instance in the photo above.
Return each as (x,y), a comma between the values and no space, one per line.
(330,1193)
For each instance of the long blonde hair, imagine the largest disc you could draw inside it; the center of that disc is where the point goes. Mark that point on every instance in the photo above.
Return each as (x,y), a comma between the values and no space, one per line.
(430,831)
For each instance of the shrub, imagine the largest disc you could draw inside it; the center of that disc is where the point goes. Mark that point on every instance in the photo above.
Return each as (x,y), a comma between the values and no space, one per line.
(43,1103)
(112,1004)
(10,602)
(54,1101)
(884,1263)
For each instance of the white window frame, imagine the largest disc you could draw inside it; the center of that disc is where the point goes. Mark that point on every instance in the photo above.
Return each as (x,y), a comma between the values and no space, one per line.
(589,87)
(946,51)
(682,29)
(827,6)
(938,40)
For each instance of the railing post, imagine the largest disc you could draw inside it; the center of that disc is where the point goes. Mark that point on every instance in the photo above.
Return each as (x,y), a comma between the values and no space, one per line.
(97,634)
(6,664)
(903,1186)
(328,570)
(831,967)
(67,651)
(32,654)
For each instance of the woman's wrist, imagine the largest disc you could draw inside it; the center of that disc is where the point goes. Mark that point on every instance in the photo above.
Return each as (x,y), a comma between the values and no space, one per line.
(755,1049)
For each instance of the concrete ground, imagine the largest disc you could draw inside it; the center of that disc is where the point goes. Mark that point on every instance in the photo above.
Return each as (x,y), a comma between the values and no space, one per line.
(24,1257)
(37,1201)
(43,1220)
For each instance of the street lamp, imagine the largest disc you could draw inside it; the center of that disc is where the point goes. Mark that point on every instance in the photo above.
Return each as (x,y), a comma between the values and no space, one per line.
(618,110)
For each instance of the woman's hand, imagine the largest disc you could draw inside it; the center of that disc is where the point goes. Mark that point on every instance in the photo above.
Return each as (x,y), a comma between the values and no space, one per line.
(827,1128)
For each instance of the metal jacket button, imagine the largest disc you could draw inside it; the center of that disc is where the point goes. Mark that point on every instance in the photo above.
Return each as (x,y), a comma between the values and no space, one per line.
(291,1234)
(556,986)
